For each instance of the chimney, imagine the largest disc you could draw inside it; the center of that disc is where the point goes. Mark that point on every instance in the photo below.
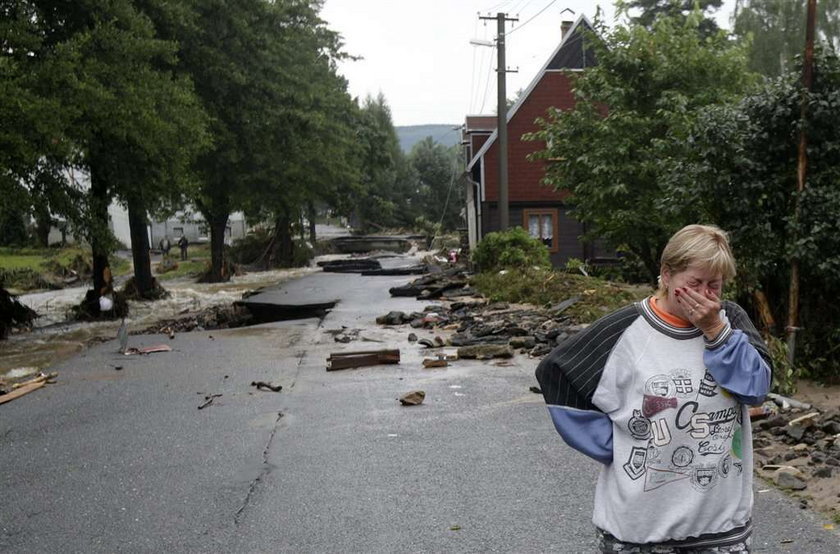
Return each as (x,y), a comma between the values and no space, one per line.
(564,28)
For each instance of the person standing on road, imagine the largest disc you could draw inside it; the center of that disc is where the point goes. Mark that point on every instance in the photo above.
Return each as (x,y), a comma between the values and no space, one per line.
(183,243)
(165,246)
(658,392)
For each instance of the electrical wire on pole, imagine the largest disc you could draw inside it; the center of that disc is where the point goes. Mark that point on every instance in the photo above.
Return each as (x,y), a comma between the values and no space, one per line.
(501,126)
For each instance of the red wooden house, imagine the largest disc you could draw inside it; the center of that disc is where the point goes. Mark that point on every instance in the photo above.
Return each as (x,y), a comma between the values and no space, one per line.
(540,209)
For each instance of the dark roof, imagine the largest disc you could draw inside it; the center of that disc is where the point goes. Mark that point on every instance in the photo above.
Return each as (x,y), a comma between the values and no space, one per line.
(577,51)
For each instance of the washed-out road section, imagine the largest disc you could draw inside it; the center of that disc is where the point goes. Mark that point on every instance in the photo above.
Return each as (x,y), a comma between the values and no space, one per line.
(121,460)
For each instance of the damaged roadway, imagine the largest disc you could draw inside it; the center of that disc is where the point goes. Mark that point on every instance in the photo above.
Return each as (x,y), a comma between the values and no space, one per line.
(108,460)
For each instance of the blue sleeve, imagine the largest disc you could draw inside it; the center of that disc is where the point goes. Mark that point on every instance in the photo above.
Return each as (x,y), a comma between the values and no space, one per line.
(737,366)
(587,431)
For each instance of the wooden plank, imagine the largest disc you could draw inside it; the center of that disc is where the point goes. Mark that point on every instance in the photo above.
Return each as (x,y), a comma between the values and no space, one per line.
(346,360)
(17,393)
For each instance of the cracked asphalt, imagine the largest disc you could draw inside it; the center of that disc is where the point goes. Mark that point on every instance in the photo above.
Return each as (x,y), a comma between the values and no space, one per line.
(110,460)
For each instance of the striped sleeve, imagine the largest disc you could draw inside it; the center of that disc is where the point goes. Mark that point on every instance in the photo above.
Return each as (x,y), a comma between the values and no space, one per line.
(569,376)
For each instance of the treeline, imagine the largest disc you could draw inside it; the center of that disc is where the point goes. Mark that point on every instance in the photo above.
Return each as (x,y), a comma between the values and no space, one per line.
(224,105)
(676,125)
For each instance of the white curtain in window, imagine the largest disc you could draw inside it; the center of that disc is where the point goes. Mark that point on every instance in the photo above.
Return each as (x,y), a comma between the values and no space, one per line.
(534,226)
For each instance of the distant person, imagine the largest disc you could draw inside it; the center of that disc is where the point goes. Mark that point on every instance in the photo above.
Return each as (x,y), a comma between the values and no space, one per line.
(165,246)
(183,243)
(658,392)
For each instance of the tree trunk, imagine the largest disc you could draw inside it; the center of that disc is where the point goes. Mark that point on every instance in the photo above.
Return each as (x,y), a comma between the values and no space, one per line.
(218,271)
(286,243)
(137,223)
(311,215)
(43,222)
(99,200)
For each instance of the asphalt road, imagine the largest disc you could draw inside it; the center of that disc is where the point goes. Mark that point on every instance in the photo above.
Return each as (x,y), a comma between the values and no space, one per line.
(111,460)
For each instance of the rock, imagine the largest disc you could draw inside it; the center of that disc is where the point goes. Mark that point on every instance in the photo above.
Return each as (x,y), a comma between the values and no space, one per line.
(795,432)
(832,461)
(775,421)
(830,427)
(416,323)
(413,398)
(485,351)
(824,472)
(789,478)
(801,447)
(540,350)
(792,455)
(391,318)
(764,452)
(498,306)
(522,342)
(412,337)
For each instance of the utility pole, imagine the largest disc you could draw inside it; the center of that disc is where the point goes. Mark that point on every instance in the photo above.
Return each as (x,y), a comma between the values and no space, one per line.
(501,111)
(801,173)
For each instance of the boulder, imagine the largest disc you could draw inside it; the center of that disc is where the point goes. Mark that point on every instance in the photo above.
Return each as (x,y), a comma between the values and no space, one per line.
(413,398)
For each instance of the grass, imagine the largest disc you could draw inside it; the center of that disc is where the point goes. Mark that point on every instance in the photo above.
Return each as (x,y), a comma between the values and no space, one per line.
(198,262)
(545,287)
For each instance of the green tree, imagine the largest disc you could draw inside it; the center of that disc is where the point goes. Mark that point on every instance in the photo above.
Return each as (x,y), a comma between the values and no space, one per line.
(634,114)
(743,174)
(651,10)
(308,147)
(119,113)
(388,181)
(775,30)
(438,184)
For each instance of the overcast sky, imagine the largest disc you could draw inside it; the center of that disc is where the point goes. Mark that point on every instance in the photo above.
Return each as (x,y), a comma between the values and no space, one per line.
(418,52)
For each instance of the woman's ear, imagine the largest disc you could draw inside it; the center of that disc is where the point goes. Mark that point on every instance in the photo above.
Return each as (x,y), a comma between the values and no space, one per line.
(665,276)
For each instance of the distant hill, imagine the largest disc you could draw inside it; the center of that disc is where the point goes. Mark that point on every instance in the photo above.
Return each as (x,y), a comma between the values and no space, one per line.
(410,135)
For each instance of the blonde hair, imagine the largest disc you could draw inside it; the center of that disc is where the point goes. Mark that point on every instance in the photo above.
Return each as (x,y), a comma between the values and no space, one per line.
(705,245)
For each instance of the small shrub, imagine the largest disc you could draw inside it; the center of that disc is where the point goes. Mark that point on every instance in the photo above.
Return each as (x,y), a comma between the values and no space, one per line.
(513,248)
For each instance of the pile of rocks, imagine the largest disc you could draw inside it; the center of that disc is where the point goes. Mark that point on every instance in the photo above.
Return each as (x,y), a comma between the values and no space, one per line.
(449,283)
(799,449)
(476,323)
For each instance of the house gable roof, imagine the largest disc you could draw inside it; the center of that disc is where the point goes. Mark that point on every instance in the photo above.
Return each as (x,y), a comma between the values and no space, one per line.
(570,54)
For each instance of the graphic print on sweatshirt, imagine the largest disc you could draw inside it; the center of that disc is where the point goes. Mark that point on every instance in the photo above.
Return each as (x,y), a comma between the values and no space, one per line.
(686,429)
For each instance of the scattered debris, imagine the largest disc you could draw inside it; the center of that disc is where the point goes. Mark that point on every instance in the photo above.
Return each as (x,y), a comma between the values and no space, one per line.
(485,351)
(148,349)
(345,360)
(208,400)
(263,385)
(435,362)
(786,403)
(9,392)
(413,398)
(412,270)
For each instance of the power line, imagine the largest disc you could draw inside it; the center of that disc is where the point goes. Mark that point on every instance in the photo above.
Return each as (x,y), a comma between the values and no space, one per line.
(532,18)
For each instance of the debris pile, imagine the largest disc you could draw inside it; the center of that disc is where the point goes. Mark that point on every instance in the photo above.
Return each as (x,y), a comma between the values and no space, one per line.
(449,283)
(491,330)
(796,446)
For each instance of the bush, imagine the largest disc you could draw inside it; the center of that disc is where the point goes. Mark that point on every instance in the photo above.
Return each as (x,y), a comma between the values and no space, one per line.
(513,248)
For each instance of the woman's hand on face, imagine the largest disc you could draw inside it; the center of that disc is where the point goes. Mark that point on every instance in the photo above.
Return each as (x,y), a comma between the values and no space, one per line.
(702,310)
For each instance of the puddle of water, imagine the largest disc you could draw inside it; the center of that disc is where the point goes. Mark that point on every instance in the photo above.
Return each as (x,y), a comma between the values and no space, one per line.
(54,339)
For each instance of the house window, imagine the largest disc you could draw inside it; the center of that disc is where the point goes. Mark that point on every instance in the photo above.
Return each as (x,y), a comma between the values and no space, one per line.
(542,224)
